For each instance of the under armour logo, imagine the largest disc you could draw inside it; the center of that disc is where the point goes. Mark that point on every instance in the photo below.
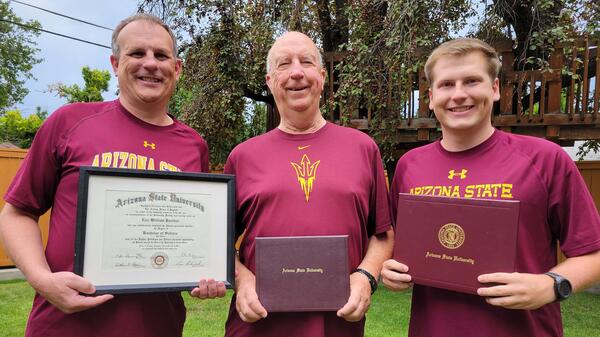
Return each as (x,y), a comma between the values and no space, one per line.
(151,145)
(462,174)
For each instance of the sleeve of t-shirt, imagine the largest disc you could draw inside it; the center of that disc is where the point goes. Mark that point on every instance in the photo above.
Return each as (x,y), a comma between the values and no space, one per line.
(379,201)
(32,189)
(572,212)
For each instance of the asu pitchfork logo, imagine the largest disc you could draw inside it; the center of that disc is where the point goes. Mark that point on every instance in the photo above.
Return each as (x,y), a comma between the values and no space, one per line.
(306,172)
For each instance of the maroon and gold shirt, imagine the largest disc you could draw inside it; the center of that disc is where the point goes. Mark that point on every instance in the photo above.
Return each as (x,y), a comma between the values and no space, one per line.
(555,206)
(106,135)
(330,182)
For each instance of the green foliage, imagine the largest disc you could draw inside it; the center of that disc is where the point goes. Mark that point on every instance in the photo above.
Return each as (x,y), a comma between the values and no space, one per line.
(96,82)
(387,317)
(17,56)
(224,64)
(584,149)
(256,120)
(18,130)
(384,44)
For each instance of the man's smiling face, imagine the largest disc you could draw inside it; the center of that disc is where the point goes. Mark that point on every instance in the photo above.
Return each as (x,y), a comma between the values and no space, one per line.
(146,68)
(462,93)
(295,74)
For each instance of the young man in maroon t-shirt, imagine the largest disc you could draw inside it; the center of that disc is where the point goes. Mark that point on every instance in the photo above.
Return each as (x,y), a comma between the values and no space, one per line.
(134,131)
(473,159)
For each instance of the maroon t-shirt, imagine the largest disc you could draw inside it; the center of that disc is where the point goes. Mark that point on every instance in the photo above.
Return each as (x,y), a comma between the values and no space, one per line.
(330,182)
(555,205)
(106,135)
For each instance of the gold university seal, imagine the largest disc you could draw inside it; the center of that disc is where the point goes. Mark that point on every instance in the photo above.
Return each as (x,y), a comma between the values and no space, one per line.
(451,236)
(159,260)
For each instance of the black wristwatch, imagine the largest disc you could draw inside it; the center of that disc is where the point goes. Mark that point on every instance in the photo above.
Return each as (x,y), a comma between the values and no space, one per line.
(562,286)
(372,280)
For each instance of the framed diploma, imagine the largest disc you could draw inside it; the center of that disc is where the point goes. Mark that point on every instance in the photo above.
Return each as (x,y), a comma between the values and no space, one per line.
(154,231)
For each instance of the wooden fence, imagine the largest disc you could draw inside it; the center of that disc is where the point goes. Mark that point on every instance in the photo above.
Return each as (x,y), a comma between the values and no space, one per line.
(590,170)
(549,103)
(10,159)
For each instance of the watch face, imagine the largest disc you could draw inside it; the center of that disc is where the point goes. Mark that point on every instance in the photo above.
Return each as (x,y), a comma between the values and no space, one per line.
(564,288)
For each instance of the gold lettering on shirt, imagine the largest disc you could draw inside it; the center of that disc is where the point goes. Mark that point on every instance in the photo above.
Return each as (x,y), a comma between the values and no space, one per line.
(130,160)
(164,166)
(483,191)
(123,159)
(142,160)
(106,159)
(507,191)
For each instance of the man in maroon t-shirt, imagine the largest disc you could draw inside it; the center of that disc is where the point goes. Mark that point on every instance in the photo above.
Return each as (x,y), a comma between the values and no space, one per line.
(307,177)
(134,131)
(473,160)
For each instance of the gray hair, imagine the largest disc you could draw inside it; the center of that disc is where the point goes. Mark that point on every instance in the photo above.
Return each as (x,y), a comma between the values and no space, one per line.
(140,17)
(270,56)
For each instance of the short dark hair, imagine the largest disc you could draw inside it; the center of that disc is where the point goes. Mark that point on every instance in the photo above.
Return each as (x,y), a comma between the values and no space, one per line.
(140,17)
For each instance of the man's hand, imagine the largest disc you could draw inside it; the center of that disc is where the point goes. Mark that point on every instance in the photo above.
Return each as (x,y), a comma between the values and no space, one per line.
(63,289)
(209,289)
(359,301)
(247,304)
(394,275)
(517,290)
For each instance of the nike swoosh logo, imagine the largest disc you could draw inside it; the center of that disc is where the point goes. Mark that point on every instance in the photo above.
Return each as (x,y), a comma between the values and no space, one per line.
(303,147)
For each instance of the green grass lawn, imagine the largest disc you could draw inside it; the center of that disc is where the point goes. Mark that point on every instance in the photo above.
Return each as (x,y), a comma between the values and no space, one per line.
(388,316)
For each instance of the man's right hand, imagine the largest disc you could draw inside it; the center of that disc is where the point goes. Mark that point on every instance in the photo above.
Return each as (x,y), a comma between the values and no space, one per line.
(247,304)
(394,275)
(63,289)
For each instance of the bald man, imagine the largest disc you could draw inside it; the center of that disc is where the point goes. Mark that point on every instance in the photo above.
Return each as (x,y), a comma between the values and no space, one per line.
(348,197)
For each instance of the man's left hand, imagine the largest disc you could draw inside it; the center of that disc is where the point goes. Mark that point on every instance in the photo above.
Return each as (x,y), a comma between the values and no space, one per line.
(360,299)
(517,290)
(209,289)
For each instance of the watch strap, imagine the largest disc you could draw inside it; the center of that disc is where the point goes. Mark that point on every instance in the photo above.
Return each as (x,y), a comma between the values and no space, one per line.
(558,279)
(370,277)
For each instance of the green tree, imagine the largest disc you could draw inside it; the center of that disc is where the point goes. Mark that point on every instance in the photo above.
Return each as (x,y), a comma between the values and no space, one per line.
(383,43)
(18,130)
(96,82)
(17,55)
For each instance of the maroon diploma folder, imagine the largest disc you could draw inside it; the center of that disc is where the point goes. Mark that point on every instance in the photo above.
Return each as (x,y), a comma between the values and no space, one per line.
(448,242)
(302,273)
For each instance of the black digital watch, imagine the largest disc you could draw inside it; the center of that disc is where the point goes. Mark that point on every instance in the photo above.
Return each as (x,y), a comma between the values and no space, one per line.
(562,286)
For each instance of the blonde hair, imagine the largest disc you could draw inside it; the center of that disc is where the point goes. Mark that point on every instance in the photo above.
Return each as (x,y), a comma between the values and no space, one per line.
(462,47)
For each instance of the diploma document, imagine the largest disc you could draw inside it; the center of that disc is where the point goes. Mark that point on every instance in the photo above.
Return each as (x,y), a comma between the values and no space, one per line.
(448,242)
(142,231)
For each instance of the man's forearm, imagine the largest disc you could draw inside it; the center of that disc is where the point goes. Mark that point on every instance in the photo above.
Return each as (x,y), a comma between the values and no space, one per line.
(581,271)
(21,237)
(380,249)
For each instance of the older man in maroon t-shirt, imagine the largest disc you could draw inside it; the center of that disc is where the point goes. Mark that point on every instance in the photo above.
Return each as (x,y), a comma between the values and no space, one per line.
(345,195)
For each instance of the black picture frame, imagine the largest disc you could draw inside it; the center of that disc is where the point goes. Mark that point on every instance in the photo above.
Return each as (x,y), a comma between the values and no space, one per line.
(129,241)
